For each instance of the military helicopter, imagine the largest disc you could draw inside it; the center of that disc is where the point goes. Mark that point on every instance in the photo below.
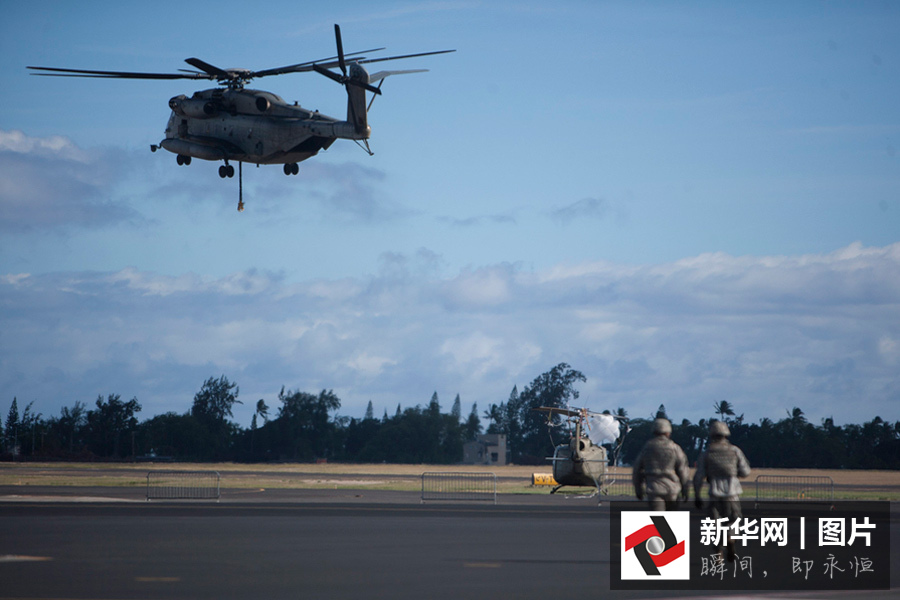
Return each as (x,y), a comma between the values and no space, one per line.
(232,123)
(582,461)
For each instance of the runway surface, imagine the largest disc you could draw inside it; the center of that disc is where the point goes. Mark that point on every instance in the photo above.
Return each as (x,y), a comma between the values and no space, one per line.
(308,544)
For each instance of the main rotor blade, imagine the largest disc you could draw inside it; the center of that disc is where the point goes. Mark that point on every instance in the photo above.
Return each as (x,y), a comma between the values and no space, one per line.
(60,72)
(340,48)
(363,84)
(331,62)
(329,74)
(382,74)
(375,60)
(560,411)
(305,67)
(208,68)
(345,80)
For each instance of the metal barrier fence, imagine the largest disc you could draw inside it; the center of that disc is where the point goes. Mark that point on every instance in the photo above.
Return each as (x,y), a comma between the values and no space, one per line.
(617,484)
(183,485)
(794,488)
(459,486)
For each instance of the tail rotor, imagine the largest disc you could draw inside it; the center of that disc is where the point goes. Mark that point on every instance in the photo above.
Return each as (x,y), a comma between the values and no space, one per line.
(358,78)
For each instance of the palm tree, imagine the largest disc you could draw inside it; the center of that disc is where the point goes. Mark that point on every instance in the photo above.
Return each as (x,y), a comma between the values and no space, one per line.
(723,409)
(262,410)
(797,417)
(491,414)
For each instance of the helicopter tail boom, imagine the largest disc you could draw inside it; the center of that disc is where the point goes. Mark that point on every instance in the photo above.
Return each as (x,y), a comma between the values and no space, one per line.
(356,100)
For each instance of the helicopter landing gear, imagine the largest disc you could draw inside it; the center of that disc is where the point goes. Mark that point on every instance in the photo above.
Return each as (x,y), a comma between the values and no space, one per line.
(226,170)
(181,159)
(291,168)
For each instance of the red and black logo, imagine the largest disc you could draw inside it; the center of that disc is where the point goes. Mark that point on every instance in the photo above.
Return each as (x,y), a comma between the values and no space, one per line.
(654,545)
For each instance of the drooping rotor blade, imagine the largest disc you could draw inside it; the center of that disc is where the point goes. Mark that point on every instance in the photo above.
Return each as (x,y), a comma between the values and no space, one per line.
(60,72)
(208,68)
(551,410)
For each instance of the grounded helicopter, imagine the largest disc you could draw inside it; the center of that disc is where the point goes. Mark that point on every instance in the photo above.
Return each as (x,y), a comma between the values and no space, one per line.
(231,123)
(583,460)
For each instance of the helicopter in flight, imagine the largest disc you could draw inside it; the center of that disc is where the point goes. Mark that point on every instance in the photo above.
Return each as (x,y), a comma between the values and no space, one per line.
(583,461)
(232,123)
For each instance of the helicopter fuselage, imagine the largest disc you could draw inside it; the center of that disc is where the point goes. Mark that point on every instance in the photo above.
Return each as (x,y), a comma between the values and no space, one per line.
(579,463)
(250,126)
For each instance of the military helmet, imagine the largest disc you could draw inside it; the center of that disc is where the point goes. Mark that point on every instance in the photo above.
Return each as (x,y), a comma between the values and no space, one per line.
(719,429)
(661,426)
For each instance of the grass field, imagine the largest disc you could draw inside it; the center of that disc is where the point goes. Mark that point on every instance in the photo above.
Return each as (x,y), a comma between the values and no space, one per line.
(865,485)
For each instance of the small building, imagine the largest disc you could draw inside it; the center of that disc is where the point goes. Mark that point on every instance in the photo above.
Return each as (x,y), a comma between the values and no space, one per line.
(487,449)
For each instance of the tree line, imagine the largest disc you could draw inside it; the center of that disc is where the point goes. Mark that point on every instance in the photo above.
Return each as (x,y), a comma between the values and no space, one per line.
(301,427)
(790,442)
(305,426)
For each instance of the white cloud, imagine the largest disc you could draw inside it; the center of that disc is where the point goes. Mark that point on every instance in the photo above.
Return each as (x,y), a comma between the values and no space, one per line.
(817,331)
(479,354)
(15,278)
(50,183)
(489,286)
(346,193)
(370,365)
(51,147)
(250,282)
(889,349)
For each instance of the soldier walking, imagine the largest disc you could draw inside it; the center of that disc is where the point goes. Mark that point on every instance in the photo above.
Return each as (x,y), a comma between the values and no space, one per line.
(661,470)
(722,465)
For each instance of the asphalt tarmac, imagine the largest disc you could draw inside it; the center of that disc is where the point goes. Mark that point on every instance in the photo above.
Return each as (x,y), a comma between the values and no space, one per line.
(78,543)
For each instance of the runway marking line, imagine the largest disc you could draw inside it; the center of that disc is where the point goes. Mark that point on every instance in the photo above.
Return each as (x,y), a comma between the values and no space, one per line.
(482,565)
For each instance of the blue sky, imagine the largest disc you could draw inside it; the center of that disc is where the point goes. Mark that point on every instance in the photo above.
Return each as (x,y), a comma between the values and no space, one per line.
(688,202)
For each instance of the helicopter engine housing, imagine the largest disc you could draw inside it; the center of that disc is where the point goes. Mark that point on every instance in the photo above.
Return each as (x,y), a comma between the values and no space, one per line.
(194,108)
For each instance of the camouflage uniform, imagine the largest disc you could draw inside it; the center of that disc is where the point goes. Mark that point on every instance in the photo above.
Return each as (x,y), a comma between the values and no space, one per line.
(663,468)
(721,464)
